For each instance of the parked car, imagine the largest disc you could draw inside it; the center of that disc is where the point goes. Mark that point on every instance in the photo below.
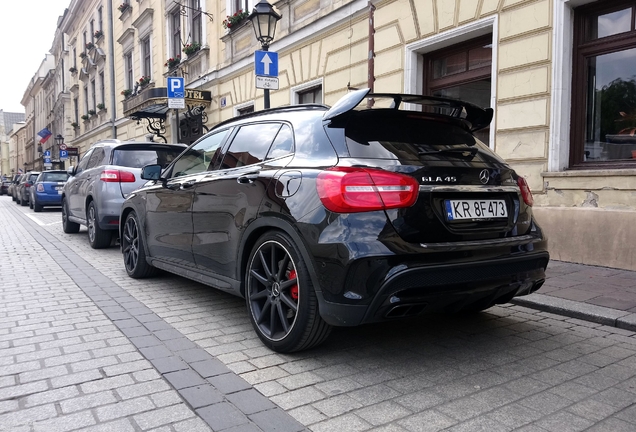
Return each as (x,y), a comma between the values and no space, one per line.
(106,175)
(12,188)
(23,188)
(47,189)
(4,187)
(341,216)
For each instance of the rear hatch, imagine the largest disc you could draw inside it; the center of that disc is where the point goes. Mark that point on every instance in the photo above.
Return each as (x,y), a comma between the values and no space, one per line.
(52,183)
(466,192)
(128,159)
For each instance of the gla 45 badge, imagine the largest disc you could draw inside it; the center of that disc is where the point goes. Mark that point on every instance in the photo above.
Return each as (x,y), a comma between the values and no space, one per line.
(446,179)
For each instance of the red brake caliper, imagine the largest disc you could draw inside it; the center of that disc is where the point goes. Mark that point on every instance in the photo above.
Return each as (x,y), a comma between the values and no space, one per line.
(294,290)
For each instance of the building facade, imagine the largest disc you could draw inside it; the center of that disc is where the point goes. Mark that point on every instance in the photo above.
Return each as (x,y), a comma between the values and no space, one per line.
(552,70)
(8,122)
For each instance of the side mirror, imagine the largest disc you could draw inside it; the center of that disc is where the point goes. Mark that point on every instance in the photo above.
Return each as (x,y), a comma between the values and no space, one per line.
(71,171)
(151,172)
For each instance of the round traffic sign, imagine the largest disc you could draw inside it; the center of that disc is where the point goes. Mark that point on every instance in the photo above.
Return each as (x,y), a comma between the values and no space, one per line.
(62,146)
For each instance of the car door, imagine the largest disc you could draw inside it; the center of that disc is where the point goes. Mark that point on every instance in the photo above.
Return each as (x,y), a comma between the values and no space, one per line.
(89,176)
(169,205)
(228,199)
(71,188)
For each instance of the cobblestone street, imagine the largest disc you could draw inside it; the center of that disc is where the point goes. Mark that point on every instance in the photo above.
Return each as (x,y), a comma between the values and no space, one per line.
(85,347)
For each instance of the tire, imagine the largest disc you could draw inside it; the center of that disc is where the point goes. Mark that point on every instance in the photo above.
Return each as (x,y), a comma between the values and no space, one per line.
(97,237)
(68,226)
(12,198)
(133,250)
(31,204)
(36,207)
(284,321)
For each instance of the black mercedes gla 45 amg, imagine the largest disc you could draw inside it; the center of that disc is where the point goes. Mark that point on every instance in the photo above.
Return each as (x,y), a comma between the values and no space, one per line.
(340,216)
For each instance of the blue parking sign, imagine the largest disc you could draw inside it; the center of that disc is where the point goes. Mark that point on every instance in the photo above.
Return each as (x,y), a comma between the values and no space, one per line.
(176,87)
(63,154)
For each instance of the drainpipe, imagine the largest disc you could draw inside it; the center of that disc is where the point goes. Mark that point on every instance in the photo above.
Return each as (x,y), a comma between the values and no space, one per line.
(111,69)
(371,60)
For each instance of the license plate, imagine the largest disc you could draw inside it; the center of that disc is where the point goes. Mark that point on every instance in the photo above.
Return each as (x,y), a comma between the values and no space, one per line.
(59,188)
(475,209)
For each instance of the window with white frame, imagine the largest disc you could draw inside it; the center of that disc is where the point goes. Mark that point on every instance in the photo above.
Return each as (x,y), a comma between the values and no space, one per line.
(102,88)
(85,100)
(311,95)
(100,18)
(146,62)
(128,70)
(175,32)
(93,95)
(195,21)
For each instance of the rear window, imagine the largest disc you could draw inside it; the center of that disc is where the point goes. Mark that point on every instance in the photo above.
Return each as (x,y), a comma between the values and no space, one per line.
(33,177)
(402,137)
(138,158)
(54,177)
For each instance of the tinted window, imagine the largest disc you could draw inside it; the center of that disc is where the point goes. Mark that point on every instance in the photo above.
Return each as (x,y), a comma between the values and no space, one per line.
(32,177)
(411,138)
(134,158)
(54,177)
(84,162)
(96,158)
(250,145)
(201,156)
(283,144)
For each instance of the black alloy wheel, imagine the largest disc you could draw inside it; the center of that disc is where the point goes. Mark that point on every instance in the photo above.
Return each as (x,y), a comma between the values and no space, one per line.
(97,237)
(132,247)
(280,297)
(68,226)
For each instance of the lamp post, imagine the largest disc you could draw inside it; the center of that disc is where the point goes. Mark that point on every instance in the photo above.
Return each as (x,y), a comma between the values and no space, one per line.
(264,19)
(59,140)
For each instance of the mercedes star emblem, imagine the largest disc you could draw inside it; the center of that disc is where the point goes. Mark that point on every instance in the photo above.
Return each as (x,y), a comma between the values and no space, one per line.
(484,176)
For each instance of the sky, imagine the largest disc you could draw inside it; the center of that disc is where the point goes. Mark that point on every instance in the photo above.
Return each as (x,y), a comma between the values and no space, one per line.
(27,28)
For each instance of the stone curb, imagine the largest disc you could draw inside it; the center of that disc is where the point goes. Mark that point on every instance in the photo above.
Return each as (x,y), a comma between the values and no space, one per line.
(574,309)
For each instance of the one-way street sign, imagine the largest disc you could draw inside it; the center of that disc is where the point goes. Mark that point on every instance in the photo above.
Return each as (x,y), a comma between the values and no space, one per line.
(266,63)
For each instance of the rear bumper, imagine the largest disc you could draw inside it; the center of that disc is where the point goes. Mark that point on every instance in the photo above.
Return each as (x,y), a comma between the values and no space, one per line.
(447,288)
(48,199)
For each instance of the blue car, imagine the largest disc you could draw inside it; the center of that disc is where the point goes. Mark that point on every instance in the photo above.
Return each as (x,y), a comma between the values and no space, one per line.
(47,190)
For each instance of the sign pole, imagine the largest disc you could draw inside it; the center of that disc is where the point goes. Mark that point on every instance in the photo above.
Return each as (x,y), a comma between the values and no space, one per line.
(266,91)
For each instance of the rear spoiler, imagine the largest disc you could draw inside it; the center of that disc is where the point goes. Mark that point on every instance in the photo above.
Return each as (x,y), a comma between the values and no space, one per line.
(477,117)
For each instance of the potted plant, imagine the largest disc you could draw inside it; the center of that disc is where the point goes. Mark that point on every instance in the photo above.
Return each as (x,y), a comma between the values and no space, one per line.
(91,112)
(82,54)
(90,45)
(124,7)
(191,48)
(232,21)
(126,92)
(98,34)
(172,62)
(75,125)
(85,117)
(143,81)
(72,69)
(101,107)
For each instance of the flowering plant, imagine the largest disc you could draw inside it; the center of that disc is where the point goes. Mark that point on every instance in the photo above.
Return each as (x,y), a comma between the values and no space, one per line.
(172,62)
(98,34)
(101,106)
(231,20)
(72,69)
(143,80)
(126,92)
(123,7)
(82,54)
(191,48)
(90,45)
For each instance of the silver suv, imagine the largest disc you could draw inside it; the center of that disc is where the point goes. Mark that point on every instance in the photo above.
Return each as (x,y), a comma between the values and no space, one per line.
(108,172)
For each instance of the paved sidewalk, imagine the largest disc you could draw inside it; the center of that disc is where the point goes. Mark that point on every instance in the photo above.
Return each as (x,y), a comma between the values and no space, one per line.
(84,347)
(598,294)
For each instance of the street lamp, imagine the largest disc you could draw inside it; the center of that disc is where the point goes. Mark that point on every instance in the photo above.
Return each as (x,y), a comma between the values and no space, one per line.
(59,140)
(264,19)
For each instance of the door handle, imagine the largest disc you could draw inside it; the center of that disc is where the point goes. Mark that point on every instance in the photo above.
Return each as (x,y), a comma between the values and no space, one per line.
(247,178)
(187,184)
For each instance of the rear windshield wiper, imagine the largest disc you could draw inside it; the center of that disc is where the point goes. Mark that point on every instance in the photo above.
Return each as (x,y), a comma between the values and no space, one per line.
(458,152)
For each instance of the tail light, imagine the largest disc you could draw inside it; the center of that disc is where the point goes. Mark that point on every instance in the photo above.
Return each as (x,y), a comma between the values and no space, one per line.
(40,187)
(27,185)
(117,176)
(352,190)
(526,193)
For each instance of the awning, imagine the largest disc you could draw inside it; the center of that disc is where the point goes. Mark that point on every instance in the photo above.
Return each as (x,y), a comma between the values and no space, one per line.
(153,102)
